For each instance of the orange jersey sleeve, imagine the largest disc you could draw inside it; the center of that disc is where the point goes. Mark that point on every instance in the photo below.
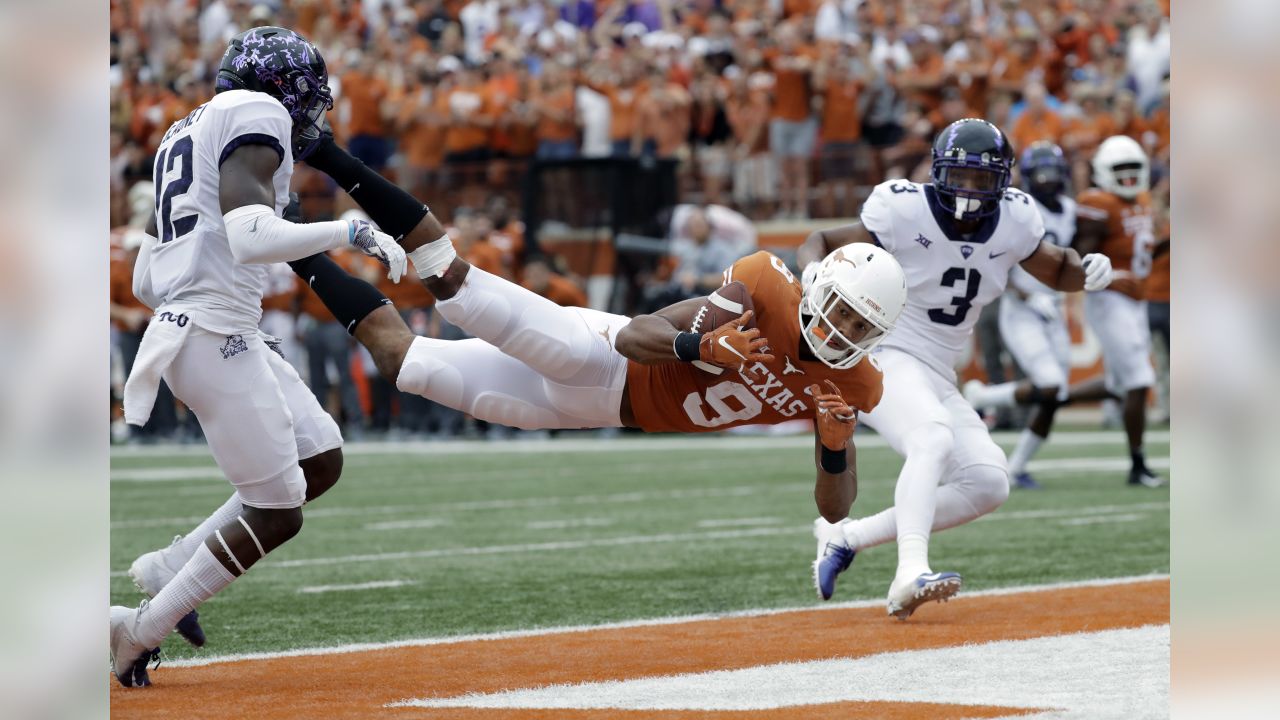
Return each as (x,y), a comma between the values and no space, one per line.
(681,397)
(1129,238)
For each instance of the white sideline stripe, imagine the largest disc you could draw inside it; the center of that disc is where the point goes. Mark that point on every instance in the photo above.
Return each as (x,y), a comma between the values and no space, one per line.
(739,522)
(1092,464)
(566,524)
(375,585)
(166,474)
(670,537)
(649,539)
(1127,517)
(1118,673)
(648,622)
(1094,511)
(1043,467)
(633,444)
(405,524)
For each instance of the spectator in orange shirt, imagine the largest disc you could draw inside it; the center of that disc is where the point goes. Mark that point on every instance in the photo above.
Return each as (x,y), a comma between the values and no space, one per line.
(792,129)
(833,78)
(1018,64)
(664,116)
(420,124)
(364,92)
(1129,122)
(1037,121)
(467,132)
(557,288)
(557,129)
(755,181)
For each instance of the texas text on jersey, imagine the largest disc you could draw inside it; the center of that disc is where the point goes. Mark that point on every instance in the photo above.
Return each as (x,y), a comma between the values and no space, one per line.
(679,397)
(950,276)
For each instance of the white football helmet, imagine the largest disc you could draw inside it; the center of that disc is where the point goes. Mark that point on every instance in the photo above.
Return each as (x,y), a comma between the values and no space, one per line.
(870,282)
(1121,167)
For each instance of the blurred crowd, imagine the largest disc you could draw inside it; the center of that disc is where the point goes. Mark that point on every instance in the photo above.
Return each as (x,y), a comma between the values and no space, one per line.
(773,109)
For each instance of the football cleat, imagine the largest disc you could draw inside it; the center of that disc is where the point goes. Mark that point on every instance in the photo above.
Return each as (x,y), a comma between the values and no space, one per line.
(129,659)
(1024,481)
(834,557)
(906,597)
(150,573)
(1145,478)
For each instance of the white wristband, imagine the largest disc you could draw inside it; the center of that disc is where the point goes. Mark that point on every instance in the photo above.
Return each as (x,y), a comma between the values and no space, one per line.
(432,259)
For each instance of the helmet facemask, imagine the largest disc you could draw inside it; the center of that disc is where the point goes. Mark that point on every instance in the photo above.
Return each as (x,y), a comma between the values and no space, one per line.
(824,311)
(969,187)
(1130,179)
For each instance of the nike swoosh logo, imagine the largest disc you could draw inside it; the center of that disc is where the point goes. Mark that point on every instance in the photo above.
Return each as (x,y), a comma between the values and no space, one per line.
(724,343)
(995,255)
(255,224)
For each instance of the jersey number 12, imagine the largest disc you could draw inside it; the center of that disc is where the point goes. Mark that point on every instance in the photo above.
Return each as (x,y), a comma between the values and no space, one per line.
(181,153)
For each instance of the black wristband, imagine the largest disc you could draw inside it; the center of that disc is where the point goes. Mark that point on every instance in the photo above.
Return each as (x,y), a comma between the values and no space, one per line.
(833,461)
(686,346)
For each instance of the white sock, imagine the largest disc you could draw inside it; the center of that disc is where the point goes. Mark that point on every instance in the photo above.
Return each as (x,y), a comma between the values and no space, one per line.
(913,556)
(997,396)
(953,509)
(197,581)
(1028,444)
(432,259)
(182,550)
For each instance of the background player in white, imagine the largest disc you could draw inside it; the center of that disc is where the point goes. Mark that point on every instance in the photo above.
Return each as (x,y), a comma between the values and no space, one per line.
(1031,320)
(1114,217)
(957,238)
(222,179)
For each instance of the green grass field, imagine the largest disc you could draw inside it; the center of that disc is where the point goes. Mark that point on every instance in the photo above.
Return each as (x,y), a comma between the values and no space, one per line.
(482,537)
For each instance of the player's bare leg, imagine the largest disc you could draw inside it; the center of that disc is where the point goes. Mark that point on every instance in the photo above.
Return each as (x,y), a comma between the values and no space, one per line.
(1135,426)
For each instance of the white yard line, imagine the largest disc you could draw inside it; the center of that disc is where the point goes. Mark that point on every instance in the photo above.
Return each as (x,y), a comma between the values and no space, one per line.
(415,524)
(1041,467)
(1123,518)
(569,523)
(375,585)
(628,444)
(650,622)
(739,522)
(732,534)
(1121,673)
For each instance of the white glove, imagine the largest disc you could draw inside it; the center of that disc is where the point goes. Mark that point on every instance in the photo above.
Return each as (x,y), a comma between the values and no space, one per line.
(1097,272)
(1045,306)
(379,245)
(810,272)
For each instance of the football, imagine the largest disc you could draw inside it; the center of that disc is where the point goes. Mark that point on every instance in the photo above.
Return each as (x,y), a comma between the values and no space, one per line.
(722,306)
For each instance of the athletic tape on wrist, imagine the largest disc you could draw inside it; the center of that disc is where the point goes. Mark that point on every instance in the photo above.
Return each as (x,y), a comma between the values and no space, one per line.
(432,259)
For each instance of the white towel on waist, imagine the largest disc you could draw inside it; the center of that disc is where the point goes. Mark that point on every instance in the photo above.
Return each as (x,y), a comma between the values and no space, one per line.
(160,345)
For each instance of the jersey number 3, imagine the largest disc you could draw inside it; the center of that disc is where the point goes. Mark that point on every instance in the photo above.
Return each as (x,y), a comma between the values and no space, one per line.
(181,153)
(951,278)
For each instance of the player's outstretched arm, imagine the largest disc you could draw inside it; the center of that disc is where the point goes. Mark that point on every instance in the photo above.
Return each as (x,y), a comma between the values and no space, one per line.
(836,487)
(398,213)
(820,243)
(246,193)
(1063,269)
(658,338)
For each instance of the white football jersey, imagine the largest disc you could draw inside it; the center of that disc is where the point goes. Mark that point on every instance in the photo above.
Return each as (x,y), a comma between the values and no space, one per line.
(192,269)
(949,280)
(1059,229)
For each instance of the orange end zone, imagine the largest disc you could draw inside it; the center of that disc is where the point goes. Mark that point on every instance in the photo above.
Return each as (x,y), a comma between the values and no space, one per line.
(360,684)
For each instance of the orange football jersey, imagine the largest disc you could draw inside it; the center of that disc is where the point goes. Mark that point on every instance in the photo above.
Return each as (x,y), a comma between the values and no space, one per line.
(1130,236)
(679,397)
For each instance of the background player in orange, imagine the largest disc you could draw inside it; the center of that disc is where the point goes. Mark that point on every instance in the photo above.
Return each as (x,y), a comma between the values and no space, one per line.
(1115,218)
(535,365)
